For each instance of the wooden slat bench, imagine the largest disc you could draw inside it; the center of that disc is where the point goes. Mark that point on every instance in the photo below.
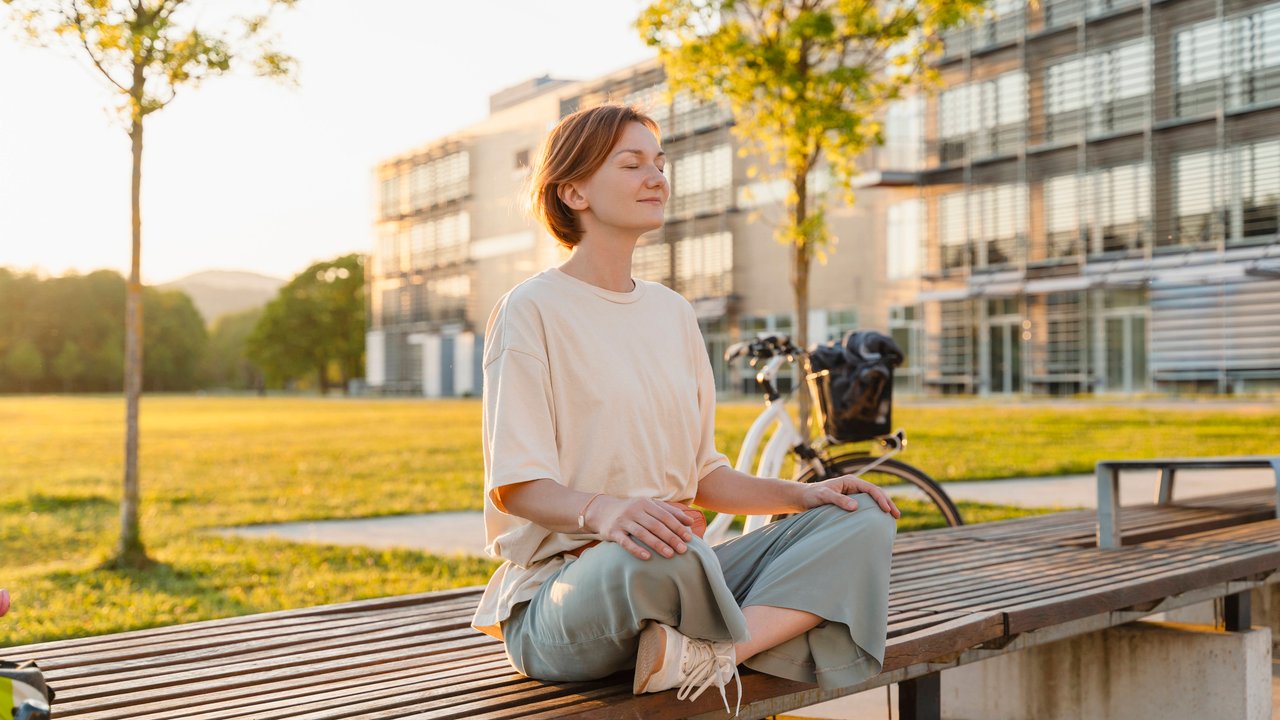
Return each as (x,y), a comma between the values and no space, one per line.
(957,595)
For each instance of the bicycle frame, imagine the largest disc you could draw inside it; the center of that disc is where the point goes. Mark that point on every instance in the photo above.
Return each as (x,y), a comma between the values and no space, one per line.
(785,437)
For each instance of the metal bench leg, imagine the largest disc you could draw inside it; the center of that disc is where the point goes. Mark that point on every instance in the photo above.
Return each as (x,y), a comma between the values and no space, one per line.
(1236,610)
(1275,467)
(1164,496)
(921,698)
(1108,507)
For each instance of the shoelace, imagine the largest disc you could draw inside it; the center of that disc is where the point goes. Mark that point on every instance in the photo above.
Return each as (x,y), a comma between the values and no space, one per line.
(705,665)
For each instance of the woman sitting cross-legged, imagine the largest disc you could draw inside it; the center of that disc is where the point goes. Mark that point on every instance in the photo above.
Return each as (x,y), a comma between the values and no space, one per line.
(599,413)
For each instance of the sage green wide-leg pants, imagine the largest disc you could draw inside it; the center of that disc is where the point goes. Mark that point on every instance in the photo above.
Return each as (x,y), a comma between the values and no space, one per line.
(584,623)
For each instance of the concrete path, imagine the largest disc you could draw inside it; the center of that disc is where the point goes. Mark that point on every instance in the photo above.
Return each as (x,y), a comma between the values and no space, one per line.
(463,532)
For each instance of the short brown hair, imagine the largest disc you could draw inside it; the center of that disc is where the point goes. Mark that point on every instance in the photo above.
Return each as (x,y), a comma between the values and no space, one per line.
(576,147)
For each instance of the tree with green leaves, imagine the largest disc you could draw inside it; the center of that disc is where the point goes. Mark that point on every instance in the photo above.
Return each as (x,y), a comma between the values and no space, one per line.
(806,82)
(227,364)
(314,323)
(24,363)
(68,366)
(146,51)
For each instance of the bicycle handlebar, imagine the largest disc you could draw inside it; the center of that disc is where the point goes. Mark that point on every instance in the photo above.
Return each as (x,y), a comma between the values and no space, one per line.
(763,348)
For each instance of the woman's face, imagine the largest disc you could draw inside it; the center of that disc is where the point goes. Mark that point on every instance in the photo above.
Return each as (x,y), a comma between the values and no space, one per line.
(629,191)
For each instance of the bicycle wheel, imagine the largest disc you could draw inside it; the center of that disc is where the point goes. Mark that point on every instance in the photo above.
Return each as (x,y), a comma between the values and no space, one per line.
(924,504)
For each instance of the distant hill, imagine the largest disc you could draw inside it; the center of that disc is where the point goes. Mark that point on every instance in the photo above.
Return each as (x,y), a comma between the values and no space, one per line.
(219,292)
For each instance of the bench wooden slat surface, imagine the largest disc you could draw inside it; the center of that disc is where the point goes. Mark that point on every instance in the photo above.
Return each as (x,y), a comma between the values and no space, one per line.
(416,656)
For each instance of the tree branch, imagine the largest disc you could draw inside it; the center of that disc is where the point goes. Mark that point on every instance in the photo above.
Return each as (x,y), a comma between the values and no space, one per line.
(78,21)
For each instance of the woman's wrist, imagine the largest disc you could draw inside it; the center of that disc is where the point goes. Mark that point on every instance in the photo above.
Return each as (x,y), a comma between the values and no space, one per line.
(590,513)
(796,498)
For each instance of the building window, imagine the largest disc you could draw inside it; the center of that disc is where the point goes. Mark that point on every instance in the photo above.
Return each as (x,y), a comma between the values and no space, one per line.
(998,214)
(390,197)
(447,298)
(840,322)
(983,119)
(1258,212)
(903,135)
(440,180)
(1200,202)
(906,327)
(1065,334)
(522,159)
(652,262)
(1122,208)
(1255,45)
(1198,55)
(956,346)
(906,224)
(440,241)
(1103,92)
(689,114)
(1065,101)
(701,181)
(1120,81)
(953,231)
(1064,226)
(704,265)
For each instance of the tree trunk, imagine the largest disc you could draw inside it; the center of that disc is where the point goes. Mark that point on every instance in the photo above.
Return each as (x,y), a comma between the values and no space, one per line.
(130,552)
(800,283)
(324,380)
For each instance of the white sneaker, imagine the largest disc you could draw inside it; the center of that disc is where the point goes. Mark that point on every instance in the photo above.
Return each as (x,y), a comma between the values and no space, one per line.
(667,659)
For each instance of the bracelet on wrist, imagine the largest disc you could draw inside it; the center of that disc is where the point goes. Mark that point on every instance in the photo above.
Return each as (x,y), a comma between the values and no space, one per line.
(582,514)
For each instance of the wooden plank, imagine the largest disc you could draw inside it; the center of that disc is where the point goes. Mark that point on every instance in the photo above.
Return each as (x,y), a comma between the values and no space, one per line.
(1095,599)
(243,690)
(234,673)
(267,619)
(201,648)
(939,640)
(282,651)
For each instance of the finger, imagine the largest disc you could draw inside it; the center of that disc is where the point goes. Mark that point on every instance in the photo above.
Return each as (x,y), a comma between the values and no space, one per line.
(639,532)
(677,512)
(661,528)
(677,519)
(630,545)
(844,501)
(881,498)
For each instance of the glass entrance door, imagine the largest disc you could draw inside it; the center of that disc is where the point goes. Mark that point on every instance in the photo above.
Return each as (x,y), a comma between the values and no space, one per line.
(1004,343)
(1126,353)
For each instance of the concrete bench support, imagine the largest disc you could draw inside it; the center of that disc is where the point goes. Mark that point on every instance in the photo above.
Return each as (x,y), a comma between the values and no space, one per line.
(1142,670)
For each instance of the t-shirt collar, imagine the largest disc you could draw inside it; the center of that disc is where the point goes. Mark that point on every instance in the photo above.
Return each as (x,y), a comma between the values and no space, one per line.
(610,295)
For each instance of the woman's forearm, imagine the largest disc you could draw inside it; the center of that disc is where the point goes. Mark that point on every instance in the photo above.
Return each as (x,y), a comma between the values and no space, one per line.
(727,490)
(547,503)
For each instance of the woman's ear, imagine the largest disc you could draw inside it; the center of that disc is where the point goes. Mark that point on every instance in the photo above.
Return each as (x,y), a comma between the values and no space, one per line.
(570,196)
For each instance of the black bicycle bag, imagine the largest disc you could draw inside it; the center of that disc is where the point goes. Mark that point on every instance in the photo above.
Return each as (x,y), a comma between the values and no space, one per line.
(851,381)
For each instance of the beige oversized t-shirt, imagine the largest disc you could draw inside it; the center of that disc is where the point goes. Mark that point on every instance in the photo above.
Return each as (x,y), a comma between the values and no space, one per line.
(600,391)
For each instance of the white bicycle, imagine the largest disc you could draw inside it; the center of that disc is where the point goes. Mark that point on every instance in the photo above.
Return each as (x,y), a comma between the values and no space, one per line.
(913,491)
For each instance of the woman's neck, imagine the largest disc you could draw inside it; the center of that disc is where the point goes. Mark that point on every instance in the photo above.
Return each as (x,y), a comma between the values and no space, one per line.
(605,264)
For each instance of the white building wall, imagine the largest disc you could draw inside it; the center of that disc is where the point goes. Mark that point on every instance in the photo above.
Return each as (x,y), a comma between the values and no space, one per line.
(375,349)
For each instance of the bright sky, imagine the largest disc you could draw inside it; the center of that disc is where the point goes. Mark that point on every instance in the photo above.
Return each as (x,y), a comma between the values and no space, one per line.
(246,174)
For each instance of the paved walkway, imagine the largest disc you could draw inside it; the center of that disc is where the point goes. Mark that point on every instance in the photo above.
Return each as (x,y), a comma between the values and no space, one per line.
(463,532)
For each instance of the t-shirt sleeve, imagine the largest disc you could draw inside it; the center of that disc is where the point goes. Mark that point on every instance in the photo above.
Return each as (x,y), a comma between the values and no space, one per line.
(519,415)
(519,423)
(708,457)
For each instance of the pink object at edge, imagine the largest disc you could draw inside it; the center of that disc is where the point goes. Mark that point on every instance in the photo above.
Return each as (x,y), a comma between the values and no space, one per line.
(4,602)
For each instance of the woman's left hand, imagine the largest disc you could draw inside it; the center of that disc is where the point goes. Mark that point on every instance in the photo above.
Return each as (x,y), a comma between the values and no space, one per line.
(836,491)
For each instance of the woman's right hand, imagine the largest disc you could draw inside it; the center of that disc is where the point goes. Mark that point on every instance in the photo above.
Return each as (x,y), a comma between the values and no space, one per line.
(661,525)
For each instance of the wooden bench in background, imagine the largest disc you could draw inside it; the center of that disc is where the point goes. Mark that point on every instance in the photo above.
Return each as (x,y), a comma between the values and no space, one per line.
(956,596)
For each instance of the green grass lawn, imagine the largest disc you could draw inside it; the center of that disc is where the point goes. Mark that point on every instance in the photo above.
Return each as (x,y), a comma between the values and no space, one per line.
(217,461)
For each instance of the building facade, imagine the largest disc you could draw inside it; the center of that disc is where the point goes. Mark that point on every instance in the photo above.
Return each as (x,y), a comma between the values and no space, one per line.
(453,237)
(1102,185)
(1089,204)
